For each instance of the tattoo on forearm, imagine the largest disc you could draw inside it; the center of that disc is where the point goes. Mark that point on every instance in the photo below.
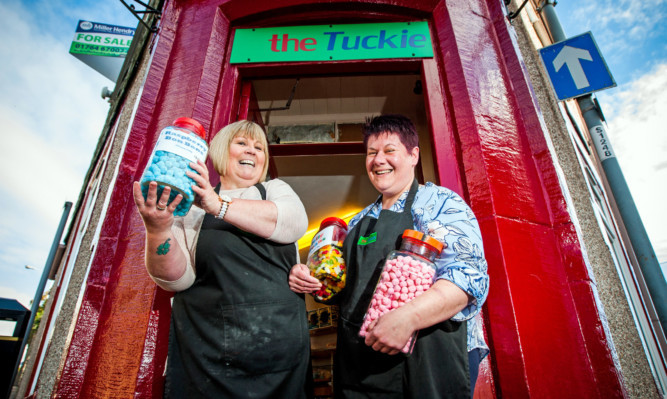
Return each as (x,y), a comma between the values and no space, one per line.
(164,248)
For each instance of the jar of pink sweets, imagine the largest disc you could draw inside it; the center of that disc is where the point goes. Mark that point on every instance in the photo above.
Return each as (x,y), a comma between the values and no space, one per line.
(325,258)
(406,274)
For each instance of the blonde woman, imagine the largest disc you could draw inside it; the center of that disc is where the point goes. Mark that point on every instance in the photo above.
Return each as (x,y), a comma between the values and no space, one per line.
(237,330)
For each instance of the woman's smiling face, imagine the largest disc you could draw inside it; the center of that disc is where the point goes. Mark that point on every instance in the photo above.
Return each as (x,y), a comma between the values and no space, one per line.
(390,166)
(245,163)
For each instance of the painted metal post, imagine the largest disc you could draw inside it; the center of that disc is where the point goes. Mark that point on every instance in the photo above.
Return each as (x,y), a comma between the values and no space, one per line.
(42,283)
(641,244)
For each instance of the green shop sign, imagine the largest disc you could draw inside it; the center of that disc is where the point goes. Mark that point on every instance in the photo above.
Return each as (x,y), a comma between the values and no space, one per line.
(332,42)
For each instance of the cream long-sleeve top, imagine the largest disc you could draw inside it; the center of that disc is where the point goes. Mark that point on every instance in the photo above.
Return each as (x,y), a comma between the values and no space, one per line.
(291,224)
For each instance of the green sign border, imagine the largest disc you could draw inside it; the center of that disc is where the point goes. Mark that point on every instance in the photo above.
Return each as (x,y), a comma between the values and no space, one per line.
(326,42)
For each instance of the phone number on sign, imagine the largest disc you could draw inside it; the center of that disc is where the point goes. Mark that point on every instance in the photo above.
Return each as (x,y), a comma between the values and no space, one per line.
(100,49)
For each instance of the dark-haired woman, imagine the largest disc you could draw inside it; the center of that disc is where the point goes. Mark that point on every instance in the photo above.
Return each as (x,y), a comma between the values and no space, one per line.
(371,366)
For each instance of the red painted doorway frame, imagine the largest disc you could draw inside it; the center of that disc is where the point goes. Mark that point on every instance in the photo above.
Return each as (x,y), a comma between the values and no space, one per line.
(542,313)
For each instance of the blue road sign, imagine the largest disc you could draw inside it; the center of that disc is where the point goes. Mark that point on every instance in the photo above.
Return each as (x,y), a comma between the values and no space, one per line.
(576,67)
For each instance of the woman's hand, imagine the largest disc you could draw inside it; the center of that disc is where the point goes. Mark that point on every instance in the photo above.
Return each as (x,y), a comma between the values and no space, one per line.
(158,215)
(207,199)
(300,280)
(164,258)
(390,332)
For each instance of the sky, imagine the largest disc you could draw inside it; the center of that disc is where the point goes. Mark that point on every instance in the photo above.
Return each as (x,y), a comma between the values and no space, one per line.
(52,115)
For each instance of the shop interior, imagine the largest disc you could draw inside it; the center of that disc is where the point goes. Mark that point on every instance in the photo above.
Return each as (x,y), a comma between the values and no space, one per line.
(314,130)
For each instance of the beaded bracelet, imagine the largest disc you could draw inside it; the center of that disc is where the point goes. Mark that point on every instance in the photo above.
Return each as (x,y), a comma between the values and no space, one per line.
(223,209)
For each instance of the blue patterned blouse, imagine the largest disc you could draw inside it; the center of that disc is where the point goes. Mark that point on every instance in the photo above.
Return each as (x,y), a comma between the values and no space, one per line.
(443,215)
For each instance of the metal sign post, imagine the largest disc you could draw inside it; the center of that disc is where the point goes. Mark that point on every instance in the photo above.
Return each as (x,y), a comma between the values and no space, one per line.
(42,284)
(556,58)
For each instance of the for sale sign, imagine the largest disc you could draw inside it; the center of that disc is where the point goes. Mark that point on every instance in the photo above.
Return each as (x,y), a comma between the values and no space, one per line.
(102,47)
(93,38)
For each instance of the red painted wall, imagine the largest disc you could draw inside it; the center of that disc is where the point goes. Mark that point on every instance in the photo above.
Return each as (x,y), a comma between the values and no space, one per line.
(541,315)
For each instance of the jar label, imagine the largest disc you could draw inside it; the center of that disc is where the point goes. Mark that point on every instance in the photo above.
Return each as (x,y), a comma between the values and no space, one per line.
(322,238)
(187,145)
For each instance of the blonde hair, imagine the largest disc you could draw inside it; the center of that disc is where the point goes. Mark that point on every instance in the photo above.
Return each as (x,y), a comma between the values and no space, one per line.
(218,150)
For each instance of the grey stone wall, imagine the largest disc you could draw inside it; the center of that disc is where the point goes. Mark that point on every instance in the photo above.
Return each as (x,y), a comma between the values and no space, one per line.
(634,365)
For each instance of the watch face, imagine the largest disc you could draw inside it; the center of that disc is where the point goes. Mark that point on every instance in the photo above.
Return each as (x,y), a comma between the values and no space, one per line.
(226,198)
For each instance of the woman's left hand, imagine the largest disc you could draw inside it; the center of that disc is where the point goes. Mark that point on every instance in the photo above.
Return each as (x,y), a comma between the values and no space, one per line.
(207,198)
(390,332)
(300,280)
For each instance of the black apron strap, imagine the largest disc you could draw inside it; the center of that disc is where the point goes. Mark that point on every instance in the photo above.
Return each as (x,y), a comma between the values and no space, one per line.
(261,189)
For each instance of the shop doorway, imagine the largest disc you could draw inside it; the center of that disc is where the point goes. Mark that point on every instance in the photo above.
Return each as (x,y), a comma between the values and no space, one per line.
(313,126)
(314,130)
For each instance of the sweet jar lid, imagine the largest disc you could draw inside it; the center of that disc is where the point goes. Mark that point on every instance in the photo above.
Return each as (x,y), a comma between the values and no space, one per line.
(418,235)
(333,220)
(191,124)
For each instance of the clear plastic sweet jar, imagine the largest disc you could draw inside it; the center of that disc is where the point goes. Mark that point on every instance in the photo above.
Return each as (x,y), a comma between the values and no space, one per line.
(406,274)
(178,145)
(325,258)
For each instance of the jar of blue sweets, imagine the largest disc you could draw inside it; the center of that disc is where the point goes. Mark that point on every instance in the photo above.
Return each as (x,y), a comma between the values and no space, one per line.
(176,147)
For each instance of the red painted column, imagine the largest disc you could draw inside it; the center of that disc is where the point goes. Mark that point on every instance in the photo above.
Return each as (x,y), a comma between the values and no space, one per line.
(541,317)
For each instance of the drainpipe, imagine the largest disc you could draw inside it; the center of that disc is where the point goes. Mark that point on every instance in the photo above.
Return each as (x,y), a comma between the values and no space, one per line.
(641,245)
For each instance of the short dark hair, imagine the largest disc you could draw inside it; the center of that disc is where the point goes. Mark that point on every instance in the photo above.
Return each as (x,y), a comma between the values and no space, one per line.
(392,123)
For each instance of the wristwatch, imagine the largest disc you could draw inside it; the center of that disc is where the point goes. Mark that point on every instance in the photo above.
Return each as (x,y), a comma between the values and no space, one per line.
(225,200)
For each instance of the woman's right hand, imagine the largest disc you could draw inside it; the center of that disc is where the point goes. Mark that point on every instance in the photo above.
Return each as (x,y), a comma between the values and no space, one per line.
(157,214)
(300,280)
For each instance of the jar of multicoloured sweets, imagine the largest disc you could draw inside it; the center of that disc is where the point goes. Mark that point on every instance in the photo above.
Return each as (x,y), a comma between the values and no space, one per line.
(325,258)
(176,147)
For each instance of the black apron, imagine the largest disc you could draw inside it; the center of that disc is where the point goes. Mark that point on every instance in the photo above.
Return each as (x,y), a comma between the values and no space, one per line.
(239,331)
(438,365)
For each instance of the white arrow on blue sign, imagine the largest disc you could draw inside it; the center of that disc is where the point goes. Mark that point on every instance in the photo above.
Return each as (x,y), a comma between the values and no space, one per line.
(576,67)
